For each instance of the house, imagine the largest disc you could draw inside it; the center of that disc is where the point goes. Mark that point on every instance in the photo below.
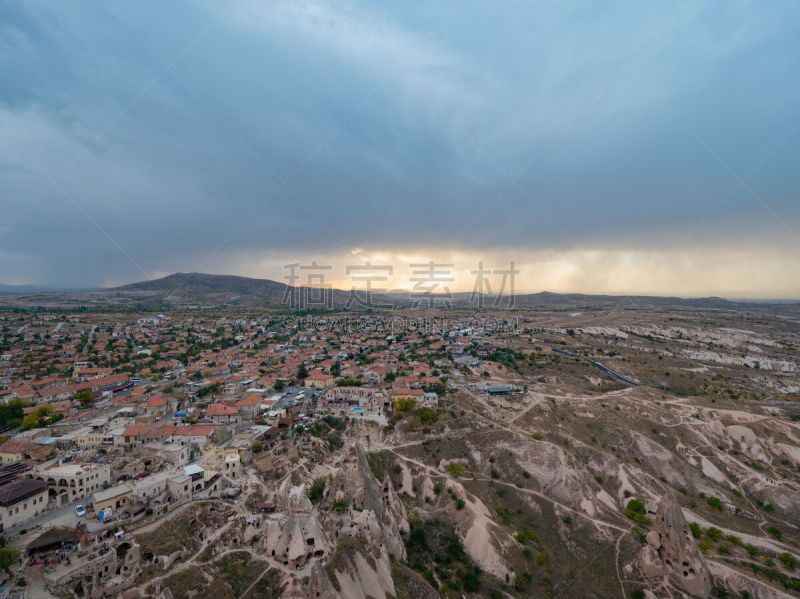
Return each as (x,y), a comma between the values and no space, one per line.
(222,413)
(249,406)
(320,381)
(131,435)
(113,497)
(198,435)
(21,500)
(70,482)
(156,406)
(15,451)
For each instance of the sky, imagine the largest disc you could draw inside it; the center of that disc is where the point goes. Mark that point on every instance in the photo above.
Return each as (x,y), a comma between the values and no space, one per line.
(602,147)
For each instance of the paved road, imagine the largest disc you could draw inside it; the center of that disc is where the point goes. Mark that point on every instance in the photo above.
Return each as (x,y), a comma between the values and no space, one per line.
(62,516)
(608,371)
(89,340)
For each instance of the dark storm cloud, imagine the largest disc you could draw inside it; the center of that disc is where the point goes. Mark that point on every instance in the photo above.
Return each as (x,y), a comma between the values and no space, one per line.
(151,137)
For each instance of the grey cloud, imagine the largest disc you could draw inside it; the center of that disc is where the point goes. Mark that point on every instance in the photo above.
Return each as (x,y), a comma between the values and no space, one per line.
(531,109)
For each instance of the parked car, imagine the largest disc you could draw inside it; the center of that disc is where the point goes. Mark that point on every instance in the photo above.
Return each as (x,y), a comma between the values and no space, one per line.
(141,475)
(80,511)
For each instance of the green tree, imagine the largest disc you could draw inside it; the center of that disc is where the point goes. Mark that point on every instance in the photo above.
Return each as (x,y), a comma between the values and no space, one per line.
(8,555)
(38,418)
(84,397)
(302,373)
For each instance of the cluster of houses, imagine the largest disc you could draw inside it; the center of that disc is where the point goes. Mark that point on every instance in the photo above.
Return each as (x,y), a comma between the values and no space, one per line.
(193,395)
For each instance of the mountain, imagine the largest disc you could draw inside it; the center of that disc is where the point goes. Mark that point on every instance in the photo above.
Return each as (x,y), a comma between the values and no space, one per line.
(205,290)
(182,283)
(198,291)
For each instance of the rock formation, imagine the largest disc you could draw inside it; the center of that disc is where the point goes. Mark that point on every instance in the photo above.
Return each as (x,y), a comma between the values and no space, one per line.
(671,550)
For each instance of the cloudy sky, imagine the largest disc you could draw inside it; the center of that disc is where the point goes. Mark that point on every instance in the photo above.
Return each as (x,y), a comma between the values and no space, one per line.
(603,147)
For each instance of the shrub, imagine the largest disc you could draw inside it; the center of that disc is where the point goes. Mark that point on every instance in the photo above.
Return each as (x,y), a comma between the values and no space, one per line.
(697,532)
(418,538)
(788,560)
(715,503)
(316,491)
(635,505)
(775,532)
(472,581)
(455,469)
(714,533)
(635,511)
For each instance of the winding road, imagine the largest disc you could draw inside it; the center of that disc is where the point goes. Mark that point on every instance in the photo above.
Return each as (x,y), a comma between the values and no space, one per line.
(608,371)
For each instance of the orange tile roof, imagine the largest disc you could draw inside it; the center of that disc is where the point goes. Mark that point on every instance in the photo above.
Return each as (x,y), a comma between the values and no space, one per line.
(252,399)
(219,409)
(156,402)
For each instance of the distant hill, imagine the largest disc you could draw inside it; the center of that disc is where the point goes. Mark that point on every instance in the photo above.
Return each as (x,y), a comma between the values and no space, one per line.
(202,291)
(199,289)
(198,283)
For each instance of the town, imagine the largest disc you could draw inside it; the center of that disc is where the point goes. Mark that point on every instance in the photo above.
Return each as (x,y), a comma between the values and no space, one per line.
(141,451)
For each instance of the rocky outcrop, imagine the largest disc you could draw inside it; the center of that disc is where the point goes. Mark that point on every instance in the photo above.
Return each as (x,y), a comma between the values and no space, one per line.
(295,540)
(371,531)
(292,499)
(378,513)
(671,550)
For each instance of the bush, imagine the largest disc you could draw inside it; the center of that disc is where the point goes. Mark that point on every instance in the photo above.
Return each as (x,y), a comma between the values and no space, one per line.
(635,505)
(455,469)
(472,581)
(714,533)
(637,594)
(788,560)
(715,503)
(418,538)
(775,532)
(316,490)
(635,511)
(697,532)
